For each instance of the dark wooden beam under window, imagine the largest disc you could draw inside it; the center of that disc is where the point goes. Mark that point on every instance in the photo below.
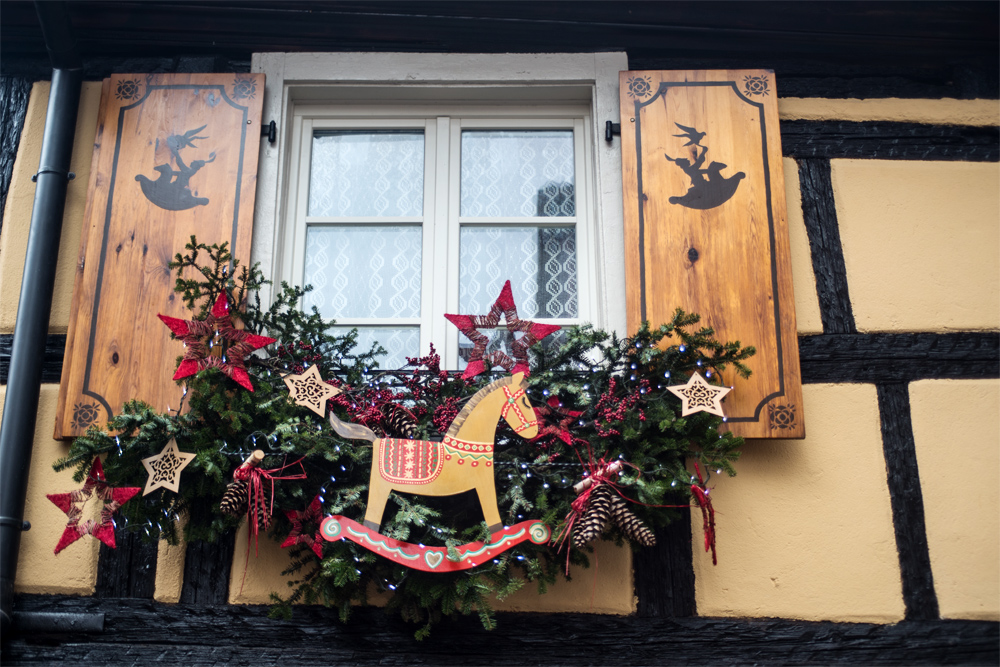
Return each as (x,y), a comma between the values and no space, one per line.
(141,632)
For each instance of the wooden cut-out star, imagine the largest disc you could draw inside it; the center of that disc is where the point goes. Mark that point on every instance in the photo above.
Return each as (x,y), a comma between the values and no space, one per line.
(503,307)
(699,396)
(309,390)
(72,504)
(165,468)
(196,335)
(311,514)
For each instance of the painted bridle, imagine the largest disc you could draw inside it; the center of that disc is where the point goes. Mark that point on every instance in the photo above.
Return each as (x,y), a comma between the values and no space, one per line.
(512,404)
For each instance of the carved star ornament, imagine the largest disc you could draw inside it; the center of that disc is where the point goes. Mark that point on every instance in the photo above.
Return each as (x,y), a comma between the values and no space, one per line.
(165,468)
(699,396)
(504,307)
(309,390)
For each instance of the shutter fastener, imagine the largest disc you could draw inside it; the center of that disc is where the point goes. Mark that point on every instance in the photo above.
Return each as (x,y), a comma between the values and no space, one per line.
(611,129)
(270,131)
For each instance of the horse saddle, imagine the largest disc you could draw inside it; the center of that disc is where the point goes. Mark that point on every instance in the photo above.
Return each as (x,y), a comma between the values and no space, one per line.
(410,461)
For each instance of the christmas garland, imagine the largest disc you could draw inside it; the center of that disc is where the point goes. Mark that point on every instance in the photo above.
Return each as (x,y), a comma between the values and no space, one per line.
(609,458)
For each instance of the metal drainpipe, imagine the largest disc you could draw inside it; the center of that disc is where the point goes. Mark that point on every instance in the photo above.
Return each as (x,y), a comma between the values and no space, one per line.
(25,376)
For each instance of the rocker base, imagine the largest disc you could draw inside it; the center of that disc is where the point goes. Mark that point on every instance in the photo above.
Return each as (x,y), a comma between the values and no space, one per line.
(433,559)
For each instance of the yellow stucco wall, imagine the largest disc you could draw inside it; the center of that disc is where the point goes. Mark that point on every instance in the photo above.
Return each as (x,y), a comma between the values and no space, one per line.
(943,112)
(956,429)
(20,198)
(921,243)
(169,572)
(74,570)
(805,528)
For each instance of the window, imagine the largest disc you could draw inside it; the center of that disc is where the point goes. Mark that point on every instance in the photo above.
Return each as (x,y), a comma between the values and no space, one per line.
(407,186)
(396,219)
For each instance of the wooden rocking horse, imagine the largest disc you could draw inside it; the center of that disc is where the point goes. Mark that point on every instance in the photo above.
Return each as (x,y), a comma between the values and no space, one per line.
(462,461)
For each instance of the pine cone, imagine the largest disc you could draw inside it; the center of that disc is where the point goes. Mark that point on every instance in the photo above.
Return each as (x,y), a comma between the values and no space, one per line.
(595,517)
(631,526)
(234,500)
(263,517)
(397,423)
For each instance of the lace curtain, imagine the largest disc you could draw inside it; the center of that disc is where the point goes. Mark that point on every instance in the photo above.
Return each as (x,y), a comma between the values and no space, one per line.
(374,270)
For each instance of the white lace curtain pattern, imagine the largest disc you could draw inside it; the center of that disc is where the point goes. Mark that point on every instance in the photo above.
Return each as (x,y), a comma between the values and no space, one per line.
(366,270)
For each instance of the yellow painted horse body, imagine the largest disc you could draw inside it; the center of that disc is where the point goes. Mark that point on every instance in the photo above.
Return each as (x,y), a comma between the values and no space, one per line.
(462,461)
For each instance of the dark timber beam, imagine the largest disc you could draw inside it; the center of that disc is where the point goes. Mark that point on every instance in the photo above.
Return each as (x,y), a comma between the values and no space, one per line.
(819,211)
(143,632)
(906,499)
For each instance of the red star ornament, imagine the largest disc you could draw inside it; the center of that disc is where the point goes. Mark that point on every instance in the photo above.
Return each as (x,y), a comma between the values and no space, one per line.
(72,504)
(197,333)
(504,306)
(557,420)
(311,514)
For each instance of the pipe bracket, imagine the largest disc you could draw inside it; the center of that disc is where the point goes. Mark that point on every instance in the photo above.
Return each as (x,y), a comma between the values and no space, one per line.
(14,521)
(46,170)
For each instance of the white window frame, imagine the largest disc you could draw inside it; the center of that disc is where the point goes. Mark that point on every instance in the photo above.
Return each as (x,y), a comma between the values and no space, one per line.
(304,91)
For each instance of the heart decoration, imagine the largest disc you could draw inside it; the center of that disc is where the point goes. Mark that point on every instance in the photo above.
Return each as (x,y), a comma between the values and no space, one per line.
(433,558)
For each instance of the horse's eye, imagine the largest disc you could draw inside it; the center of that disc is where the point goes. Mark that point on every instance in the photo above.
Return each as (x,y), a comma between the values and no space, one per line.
(524,402)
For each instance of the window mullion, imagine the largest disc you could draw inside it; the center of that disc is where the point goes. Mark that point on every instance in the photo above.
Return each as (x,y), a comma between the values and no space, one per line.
(435,137)
(295,243)
(454,232)
(585,264)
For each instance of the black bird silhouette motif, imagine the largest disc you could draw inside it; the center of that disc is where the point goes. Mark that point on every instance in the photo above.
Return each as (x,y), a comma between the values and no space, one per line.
(693,136)
(709,188)
(170,190)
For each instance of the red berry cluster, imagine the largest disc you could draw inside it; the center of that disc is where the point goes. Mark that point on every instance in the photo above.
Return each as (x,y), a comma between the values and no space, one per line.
(364,406)
(612,409)
(445,413)
(294,350)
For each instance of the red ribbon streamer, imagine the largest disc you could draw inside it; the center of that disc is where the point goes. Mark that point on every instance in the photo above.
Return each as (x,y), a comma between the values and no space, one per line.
(700,494)
(256,498)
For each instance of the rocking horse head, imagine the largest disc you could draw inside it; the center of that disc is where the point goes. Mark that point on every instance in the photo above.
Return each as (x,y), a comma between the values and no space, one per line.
(477,420)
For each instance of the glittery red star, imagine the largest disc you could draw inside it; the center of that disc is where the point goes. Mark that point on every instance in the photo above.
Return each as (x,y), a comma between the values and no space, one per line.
(557,420)
(197,333)
(72,504)
(311,514)
(504,306)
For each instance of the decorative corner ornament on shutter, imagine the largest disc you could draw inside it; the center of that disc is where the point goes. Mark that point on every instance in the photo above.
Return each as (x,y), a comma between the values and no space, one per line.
(706,228)
(175,156)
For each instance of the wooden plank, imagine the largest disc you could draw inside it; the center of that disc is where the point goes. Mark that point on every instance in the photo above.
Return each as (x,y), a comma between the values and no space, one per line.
(706,229)
(175,155)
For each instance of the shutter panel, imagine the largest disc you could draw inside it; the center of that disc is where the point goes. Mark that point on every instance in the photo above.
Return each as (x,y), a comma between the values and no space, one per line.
(175,155)
(706,230)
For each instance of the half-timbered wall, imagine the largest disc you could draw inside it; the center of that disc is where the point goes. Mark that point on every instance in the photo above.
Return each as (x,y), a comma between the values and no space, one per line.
(888,510)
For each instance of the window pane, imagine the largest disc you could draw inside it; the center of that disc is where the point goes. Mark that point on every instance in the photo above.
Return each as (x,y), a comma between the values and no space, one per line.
(399,343)
(367,174)
(363,271)
(540,263)
(517,173)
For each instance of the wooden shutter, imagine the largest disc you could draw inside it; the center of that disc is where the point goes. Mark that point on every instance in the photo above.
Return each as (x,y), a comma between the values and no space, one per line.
(175,155)
(705,227)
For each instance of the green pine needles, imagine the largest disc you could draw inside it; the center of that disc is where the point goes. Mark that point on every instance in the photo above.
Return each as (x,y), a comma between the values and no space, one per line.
(598,398)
